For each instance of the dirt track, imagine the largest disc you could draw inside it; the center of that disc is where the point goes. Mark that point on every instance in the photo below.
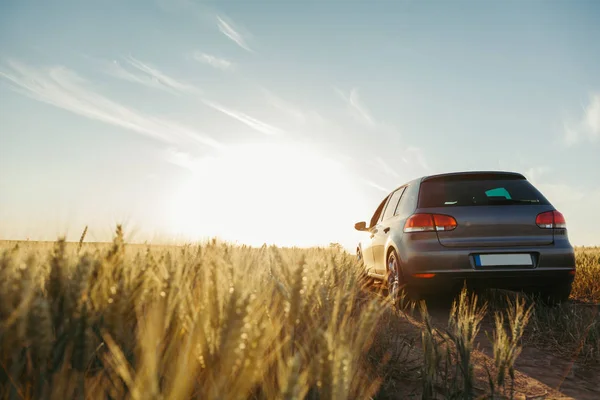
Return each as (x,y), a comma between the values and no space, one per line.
(541,374)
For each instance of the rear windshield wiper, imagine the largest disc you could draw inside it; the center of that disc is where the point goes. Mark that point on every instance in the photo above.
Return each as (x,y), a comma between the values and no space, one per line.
(503,200)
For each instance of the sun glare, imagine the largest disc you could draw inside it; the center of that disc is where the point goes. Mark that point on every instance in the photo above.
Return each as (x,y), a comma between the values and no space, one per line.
(288,195)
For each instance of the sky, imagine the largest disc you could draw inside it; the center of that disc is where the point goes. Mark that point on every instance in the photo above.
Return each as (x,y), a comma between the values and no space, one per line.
(285,122)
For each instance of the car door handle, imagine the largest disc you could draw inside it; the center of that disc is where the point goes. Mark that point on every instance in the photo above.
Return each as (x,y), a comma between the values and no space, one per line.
(386,230)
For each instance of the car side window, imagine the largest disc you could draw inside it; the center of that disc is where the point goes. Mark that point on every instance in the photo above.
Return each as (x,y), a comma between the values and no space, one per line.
(390,209)
(381,214)
(408,202)
(378,213)
(399,202)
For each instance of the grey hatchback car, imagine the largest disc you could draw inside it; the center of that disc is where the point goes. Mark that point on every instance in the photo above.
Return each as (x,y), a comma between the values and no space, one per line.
(482,229)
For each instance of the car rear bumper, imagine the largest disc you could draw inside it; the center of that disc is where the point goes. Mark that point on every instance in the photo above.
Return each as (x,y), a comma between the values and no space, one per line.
(502,279)
(451,268)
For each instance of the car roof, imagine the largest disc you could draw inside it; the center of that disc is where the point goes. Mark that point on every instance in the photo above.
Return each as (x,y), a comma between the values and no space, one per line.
(465,175)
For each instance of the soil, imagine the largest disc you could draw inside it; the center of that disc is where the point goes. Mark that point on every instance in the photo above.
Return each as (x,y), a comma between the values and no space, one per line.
(541,373)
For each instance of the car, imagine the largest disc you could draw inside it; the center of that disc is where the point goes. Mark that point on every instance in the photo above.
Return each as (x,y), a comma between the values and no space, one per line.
(485,229)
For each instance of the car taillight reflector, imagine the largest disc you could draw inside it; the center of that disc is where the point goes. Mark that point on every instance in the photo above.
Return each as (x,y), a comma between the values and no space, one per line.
(429,223)
(423,276)
(550,220)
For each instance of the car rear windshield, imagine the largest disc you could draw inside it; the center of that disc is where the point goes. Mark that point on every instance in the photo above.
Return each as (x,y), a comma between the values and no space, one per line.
(479,192)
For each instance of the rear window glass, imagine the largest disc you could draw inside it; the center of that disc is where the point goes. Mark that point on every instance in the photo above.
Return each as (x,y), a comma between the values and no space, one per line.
(479,193)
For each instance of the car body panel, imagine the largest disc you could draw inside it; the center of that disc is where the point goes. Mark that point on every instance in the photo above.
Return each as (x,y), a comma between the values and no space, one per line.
(367,254)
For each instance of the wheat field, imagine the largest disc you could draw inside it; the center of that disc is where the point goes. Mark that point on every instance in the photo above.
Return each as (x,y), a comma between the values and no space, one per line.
(217,321)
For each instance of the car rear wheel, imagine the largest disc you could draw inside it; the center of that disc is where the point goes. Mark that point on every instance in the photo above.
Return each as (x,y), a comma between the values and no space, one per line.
(395,281)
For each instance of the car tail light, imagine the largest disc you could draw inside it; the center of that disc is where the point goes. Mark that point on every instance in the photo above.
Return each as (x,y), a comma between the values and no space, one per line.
(444,222)
(550,220)
(429,223)
(419,223)
(559,220)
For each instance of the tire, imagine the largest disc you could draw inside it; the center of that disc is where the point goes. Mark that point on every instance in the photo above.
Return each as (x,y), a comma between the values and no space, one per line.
(395,281)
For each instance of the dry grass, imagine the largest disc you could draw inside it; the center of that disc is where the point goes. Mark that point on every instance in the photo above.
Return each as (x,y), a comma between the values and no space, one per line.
(571,329)
(587,283)
(216,321)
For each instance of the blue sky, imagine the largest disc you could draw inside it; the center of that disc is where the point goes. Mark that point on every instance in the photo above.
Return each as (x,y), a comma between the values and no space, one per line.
(285,122)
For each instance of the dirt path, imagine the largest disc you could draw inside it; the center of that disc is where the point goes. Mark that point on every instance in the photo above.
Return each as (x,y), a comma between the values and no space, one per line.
(540,373)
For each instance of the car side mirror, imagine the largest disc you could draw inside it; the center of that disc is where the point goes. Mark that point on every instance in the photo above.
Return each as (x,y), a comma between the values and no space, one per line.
(360,226)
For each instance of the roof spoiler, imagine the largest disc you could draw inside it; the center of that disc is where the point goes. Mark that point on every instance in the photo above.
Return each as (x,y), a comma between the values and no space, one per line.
(476,175)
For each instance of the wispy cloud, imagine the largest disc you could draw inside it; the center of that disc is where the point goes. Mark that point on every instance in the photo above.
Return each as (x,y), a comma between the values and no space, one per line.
(534,174)
(227,28)
(301,119)
(117,70)
(65,89)
(160,77)
(163,81)
(358,108)
(592,118)
(414,154)
(571,135)
(415,165)
(285,107)
(589,125)
(136,71)
(213,61)
(376,186)
(385,167)
(182,159)
(252,122)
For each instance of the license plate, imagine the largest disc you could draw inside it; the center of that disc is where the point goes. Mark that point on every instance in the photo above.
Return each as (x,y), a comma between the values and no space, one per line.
(503,260)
